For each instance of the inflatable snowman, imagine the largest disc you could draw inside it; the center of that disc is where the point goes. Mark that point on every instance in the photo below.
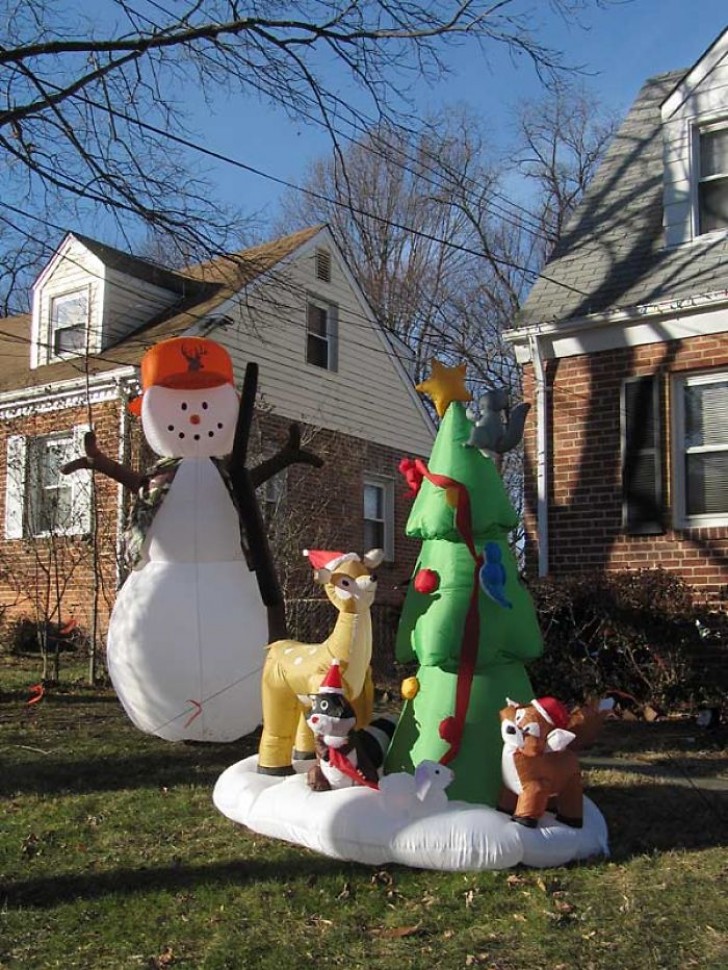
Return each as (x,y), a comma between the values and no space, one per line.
(187,633)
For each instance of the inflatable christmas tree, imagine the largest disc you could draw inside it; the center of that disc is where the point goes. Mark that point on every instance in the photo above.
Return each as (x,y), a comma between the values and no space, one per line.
(467,619)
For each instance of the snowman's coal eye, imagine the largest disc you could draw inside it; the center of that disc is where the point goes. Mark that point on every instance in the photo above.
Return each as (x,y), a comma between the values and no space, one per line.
(219,425)
(184,405)
(204,405)
(170,427)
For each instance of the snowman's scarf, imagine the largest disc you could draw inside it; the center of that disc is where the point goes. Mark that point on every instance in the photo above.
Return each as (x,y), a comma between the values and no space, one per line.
(148,501)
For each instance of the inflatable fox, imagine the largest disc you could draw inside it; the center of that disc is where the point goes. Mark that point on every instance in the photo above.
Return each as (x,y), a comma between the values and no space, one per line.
(540,761)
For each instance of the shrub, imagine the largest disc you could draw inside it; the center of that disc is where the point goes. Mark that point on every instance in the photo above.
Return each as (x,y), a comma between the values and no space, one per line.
(26,635)
(639,632)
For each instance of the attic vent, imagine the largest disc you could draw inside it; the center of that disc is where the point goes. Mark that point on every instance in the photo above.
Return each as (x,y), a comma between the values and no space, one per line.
(323,265)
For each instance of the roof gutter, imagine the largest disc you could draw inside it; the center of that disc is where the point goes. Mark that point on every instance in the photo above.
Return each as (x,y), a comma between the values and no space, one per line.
(542,477)
(643,314)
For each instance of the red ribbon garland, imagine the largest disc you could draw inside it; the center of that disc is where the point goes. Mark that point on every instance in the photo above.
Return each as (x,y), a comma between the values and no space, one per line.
(451,728)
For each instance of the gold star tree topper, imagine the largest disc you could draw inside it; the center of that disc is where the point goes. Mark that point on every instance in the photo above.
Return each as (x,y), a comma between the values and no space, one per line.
(445,385)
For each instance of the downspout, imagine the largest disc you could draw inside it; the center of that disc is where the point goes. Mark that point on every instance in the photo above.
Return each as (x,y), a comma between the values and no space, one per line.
(123,458)
(542,474)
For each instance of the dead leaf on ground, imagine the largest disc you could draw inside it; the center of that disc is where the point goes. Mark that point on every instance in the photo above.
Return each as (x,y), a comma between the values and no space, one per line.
(347,892)
(382,878)
(397,932)
(165,959)
(318,921)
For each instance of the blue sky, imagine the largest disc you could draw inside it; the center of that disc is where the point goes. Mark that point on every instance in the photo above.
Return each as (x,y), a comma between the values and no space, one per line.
(619,47)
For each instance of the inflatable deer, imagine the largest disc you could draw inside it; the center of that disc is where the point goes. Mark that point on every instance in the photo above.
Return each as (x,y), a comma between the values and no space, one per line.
(293,671)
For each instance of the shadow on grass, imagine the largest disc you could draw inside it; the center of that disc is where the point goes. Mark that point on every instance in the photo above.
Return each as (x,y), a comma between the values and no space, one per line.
(163,767)
(47,892)
(649,817)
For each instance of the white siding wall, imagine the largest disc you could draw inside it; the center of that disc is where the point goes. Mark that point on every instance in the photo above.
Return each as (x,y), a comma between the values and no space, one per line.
(73,268)
(702,97)
(129,302)
(367,396)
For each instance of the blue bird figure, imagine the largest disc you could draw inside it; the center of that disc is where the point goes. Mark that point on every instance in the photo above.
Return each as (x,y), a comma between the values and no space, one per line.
(493,575)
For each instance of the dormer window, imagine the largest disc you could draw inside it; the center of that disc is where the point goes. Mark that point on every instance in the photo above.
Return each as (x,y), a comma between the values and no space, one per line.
(712,178)
(69,322)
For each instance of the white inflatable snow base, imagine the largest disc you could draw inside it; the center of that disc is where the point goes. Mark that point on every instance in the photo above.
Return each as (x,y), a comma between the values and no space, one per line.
(375,828)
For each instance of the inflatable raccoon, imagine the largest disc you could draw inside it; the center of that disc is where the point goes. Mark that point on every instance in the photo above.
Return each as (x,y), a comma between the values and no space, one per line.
(345,757)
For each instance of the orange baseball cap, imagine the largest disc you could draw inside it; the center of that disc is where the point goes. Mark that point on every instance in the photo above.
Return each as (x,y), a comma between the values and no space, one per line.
(184,362)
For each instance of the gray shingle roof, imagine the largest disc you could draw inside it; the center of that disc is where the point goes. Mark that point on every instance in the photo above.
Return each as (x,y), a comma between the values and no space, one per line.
(612,254)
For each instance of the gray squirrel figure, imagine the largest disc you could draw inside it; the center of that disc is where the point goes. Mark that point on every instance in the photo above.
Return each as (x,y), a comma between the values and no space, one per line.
(496,428)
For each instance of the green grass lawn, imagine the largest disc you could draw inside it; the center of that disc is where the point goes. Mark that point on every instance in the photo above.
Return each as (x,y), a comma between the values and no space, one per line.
(112,856)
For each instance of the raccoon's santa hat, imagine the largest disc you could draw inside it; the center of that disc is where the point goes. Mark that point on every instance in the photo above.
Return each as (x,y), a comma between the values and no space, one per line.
(331,684)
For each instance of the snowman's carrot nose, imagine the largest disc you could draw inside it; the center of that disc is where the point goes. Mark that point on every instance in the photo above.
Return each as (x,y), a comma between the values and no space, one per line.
(194,419)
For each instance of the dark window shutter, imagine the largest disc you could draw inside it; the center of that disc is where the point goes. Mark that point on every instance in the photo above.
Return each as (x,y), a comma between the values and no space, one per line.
(642,498)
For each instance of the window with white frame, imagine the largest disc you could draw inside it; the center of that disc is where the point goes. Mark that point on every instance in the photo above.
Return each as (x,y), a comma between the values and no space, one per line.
(712,184)
(39,500)
(69,322)
(379,514)
(700,448)
(322,334)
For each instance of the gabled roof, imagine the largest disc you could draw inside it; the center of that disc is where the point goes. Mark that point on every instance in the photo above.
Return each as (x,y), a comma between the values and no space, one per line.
(214,283)
(612,254)
(141,269)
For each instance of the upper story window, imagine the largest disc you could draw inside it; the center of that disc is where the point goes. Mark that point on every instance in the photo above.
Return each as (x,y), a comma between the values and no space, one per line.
(700,449)
(322,334)
(712,178)
(323,265)
(69,322)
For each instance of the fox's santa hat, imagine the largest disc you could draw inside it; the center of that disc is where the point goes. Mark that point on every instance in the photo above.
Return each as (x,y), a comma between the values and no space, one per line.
(325,559)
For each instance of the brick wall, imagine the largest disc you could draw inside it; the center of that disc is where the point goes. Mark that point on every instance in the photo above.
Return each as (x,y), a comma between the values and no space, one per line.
(63,577)
(585,495)
(321,509)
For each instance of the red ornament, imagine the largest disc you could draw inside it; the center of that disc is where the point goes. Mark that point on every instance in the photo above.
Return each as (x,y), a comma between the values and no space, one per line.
(449,730)
(426,581)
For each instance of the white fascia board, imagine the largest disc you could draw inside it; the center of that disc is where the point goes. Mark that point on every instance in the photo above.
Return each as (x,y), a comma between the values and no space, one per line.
(678,319)
(702,68)
(59,255)
(59,395)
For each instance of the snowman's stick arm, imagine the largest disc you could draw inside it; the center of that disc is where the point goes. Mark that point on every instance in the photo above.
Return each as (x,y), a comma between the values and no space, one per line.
(290,454)
(99,462)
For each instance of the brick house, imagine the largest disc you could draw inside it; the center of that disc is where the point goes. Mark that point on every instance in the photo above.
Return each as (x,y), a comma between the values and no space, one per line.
(293,306)
(624,347)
